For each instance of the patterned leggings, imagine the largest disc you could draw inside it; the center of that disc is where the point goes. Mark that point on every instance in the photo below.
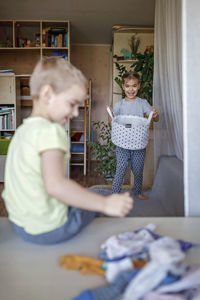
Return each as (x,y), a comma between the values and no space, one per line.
(137,158)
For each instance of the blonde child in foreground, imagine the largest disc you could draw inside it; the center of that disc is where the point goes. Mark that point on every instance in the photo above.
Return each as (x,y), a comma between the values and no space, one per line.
(43,205)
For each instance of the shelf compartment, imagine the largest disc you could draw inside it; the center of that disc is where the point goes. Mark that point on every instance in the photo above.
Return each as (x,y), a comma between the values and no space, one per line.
(27,34)
(76,164)
(52,48)
(21,60)
(77,153)
(77,120)
(55,51)
(6,35)
(55,34)
(76,130)
(7,117)
(26,103)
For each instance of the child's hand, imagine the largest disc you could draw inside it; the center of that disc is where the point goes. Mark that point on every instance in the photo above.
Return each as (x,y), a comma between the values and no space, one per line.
(118,205)
(110,108)
(109,114)
(155,115)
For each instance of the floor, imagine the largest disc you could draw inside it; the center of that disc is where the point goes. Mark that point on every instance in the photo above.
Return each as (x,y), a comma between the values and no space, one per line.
(92,178)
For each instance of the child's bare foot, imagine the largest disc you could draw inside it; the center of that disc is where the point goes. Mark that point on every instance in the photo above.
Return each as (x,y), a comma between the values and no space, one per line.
(142,197)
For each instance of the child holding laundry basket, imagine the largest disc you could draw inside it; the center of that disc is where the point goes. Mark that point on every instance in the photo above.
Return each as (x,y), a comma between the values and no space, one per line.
(131,105)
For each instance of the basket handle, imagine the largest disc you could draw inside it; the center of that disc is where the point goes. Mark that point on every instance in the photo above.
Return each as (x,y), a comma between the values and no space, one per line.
(150,117)
(109,112)
(148,120)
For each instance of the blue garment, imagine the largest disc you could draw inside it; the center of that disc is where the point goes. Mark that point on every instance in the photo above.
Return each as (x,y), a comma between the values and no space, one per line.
(113,290)
(110,291)
(86,295)
(77,220)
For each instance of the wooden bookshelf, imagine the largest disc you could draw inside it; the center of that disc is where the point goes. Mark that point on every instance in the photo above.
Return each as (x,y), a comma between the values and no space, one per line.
(82,126)
(22,44)
(9,104)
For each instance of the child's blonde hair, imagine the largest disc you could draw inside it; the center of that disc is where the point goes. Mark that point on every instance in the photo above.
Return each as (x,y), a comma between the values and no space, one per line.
(56,72)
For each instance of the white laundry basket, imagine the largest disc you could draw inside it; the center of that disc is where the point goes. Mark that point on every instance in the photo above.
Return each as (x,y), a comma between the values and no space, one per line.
(130,132)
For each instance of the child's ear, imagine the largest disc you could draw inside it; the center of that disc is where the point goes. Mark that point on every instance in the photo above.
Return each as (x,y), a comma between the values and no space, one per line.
(46,92)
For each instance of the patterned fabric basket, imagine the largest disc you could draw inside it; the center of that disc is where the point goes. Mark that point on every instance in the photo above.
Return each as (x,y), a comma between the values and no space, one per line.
(130,132)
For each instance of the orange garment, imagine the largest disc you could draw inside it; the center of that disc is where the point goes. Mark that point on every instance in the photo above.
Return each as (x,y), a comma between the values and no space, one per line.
(88,265)
(139,263)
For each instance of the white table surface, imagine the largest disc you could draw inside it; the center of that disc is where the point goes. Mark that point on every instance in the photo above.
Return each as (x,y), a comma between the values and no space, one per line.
(32,272)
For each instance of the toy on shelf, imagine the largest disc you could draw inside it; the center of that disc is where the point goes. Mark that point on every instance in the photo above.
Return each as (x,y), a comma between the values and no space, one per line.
(21,41)
(28,44)
(127,54)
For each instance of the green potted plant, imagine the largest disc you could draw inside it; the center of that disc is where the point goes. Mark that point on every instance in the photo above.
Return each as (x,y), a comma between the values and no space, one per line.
(104,150)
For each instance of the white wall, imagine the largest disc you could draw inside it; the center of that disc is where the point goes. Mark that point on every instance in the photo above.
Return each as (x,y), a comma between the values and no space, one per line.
(94,61)
(191,105)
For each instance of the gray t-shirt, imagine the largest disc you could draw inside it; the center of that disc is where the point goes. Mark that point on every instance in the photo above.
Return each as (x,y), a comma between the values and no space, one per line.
(137,107)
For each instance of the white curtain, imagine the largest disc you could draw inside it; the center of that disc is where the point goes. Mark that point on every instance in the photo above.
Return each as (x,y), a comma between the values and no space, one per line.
(167,92)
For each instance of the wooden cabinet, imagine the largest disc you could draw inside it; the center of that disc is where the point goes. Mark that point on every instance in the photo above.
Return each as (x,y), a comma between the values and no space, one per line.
(9,105)
(7,89)
(121,50)
(22,44)
(9,115)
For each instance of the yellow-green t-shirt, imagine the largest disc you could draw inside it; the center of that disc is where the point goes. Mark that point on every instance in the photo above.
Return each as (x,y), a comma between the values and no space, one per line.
(27,202)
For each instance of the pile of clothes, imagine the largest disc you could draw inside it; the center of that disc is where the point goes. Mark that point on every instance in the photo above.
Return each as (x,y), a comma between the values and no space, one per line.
(140,265)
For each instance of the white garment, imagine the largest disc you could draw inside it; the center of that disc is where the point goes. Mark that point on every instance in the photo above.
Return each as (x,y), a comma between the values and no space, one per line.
(155,296)
(190,280)
(196,295)
(128,243)
(164,253)
(114,268)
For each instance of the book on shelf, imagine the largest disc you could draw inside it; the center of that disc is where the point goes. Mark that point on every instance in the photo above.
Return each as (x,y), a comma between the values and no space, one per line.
(7,118)
(7,72)
(6,109)
(66,39)
(56,37)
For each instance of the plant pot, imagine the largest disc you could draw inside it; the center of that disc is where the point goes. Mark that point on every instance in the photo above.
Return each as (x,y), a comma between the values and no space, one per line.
(109,177)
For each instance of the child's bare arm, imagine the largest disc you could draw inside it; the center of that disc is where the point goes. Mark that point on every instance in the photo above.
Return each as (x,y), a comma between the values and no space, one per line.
(73,194)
